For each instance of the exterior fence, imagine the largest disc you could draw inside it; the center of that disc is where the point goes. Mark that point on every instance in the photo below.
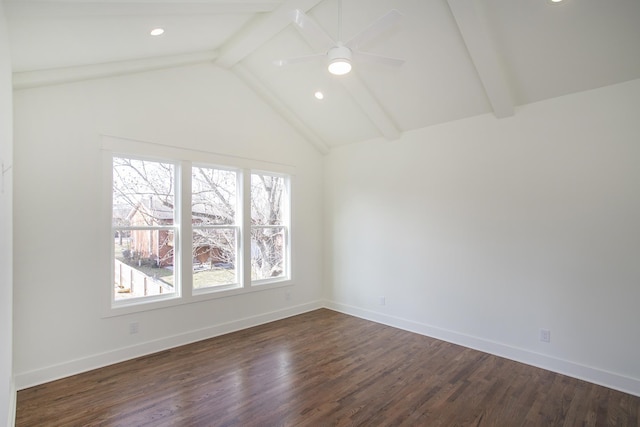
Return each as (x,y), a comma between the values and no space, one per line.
(130,283)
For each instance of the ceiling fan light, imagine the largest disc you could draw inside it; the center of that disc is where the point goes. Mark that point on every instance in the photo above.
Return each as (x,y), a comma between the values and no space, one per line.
(339,60)
(340,66)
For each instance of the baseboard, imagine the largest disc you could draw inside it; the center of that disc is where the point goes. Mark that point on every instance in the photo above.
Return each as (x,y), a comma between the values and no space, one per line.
(561,366)
(51,373)
(13,401)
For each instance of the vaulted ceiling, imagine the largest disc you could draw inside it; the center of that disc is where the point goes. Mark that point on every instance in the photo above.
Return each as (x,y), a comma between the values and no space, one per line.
(462,57)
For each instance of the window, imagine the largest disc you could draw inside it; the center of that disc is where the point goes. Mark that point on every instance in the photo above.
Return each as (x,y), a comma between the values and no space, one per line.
(144,228)
(268,226)
(214,245)
(178,230)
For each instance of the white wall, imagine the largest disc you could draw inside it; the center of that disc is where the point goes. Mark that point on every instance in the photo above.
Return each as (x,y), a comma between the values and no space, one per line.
(7,391)
(58,323)
(483,231)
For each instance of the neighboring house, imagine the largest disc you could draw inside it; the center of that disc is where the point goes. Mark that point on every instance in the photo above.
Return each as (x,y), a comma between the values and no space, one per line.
(154,246)
(206,254)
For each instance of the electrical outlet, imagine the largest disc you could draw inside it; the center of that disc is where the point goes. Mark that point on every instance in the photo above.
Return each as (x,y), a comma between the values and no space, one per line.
(133,328)
(545,335)
(287,295)
(383,300)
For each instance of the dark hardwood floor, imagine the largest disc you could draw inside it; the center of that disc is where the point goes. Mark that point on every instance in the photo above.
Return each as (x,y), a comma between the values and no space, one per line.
(323,369)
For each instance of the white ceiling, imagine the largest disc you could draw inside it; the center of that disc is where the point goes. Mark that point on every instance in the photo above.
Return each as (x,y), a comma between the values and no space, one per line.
(463,57)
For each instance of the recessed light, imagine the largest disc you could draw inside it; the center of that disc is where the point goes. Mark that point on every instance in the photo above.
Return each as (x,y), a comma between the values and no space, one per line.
(157,31)
(319,95)
(555,2)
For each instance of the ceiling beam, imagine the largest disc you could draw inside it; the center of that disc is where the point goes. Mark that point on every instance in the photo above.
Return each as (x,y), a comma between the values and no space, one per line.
(484,56)
(279,106)
(370,106)
(259,31)
(82,8)
(28,79)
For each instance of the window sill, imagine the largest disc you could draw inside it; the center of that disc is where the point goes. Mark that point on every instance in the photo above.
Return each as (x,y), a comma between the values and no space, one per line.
(158,303)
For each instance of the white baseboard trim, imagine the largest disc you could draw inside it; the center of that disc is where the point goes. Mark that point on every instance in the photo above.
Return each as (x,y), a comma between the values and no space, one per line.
(561,366)
(51,373)
(13,401)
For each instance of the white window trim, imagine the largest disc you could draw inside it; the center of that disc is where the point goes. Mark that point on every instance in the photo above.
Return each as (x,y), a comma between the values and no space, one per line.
(184,159)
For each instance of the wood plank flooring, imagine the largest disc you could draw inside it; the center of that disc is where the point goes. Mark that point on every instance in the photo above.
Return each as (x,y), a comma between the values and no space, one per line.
(323,369)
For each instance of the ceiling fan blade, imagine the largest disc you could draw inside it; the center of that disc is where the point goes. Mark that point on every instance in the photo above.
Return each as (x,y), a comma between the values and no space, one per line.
(373,30)
(311,31)
(372,57)
(297,59)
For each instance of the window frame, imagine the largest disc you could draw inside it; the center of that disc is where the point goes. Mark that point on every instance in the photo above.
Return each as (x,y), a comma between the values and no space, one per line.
(184,159)
(286,226)
(175,227)
(236,227)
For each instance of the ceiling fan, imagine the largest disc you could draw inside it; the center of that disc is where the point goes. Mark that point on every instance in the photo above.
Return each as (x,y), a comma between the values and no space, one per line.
(341,54)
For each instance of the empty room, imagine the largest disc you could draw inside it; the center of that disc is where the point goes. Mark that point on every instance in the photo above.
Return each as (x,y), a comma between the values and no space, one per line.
(320,212)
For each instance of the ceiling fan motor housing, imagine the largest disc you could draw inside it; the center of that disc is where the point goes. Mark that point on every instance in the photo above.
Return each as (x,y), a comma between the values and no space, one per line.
(339,59)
